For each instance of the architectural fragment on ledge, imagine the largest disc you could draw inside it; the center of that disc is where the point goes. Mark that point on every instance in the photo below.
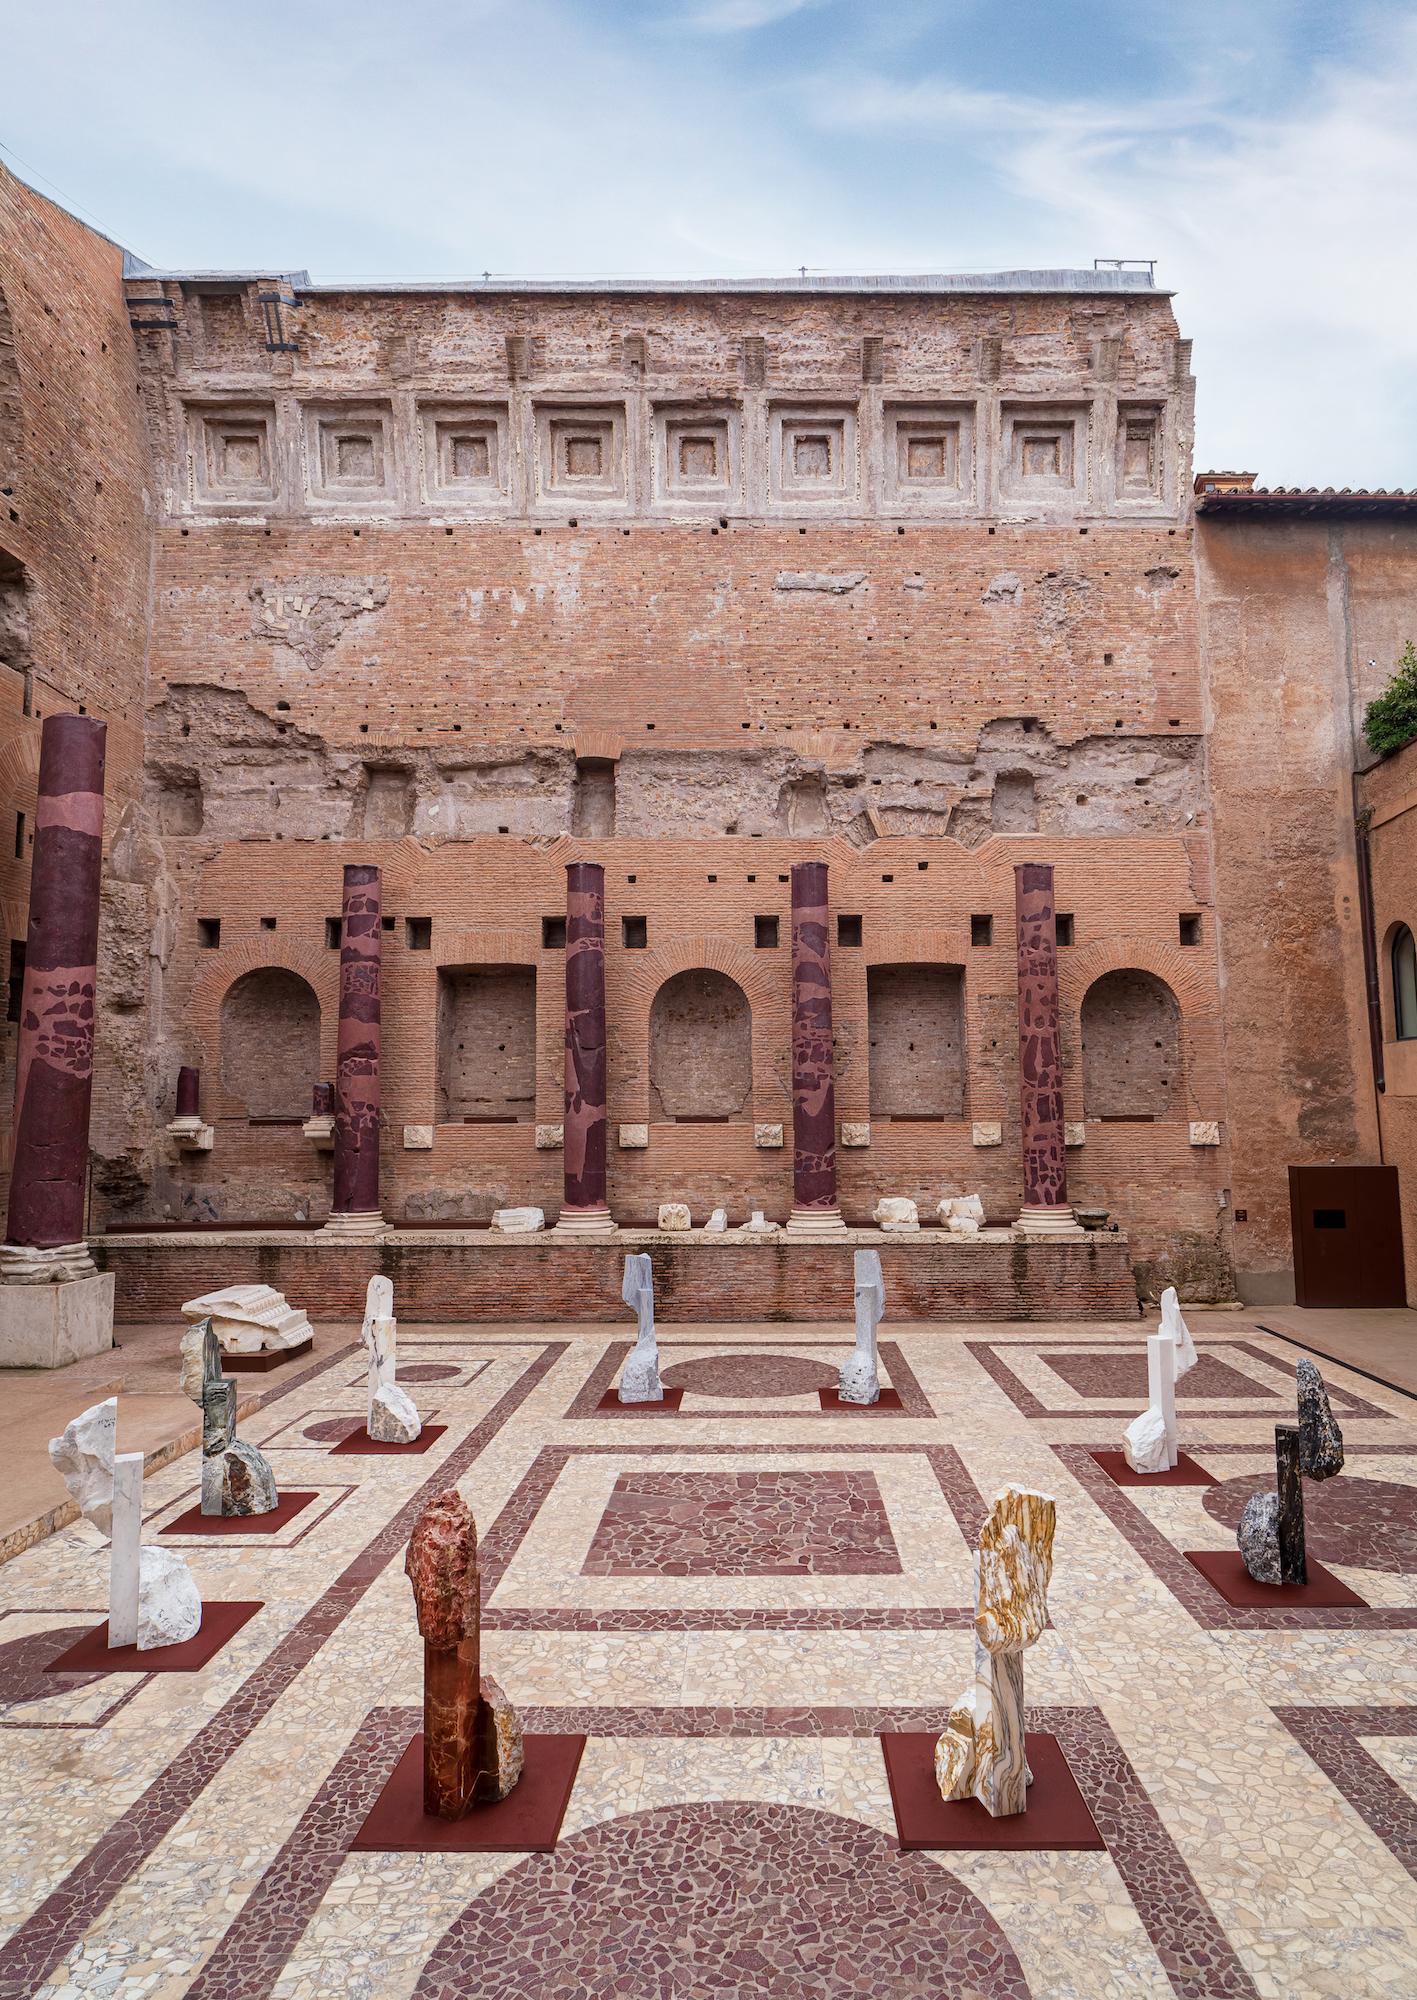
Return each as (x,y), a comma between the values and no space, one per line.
(186,1129)
(319,1127)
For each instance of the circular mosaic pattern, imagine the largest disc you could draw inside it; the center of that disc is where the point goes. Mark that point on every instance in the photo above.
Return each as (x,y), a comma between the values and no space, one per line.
(744,1377)
(1368,1523)
(23,1662)
(429,1371)
(724,1900)
(332,1430)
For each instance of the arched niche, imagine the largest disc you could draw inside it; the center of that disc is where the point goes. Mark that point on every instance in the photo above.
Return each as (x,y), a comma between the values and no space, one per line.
(701,1049)
(1131,1047)
(270,1043)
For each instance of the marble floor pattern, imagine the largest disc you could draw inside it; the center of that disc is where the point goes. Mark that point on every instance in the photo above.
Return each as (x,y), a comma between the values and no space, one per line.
(733,1600)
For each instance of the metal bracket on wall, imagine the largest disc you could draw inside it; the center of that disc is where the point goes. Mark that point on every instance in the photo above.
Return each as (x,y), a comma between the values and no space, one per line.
(152,325)
(274,305)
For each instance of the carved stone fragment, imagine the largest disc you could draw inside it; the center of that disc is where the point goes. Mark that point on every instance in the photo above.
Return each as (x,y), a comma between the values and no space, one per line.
(858,1381)
(639,1378)
(1320,1439)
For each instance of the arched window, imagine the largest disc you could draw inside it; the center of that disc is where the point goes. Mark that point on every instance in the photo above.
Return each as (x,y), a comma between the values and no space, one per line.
(915,1014)
(270,1043)
(487,1044)
(1404,985)
(1131,1046)
(701,1050)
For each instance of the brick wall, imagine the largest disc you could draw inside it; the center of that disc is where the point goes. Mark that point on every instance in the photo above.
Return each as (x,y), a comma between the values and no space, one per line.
(1389,789)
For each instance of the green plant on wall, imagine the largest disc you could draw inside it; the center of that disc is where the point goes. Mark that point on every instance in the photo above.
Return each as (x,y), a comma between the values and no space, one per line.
(1391,720)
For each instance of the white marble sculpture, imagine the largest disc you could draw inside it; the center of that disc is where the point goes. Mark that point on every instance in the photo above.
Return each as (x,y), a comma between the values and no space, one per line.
(858,1381)
(639,1378)
(717,1222)
(1150,1440)
(961,1214)
(518,1221)
(758,1224)
(981,1753)
(393,1417)
(898,1213)
(674,1215)
(152,1600)
(251,1319)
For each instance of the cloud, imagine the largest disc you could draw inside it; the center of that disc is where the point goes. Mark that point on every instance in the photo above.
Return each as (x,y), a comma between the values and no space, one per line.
(732,17)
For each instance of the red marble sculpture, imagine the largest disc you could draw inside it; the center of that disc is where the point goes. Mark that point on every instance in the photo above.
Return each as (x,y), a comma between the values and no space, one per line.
(584,1139)
(54,1069)
(356,1183)
(189,1092)
(813,1086)
(1040,1068)
(472,1744)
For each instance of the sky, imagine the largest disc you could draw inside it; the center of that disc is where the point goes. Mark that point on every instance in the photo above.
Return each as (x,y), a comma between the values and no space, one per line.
(1264,152)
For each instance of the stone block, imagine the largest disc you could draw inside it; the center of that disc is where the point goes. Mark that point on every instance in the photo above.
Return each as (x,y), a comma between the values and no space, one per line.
(550,1138)
(418,1138)
(1205,1132)
(1075,1135)
(48,1326)
(674,1215)
(767,1135)
(987,1132)
(855,1135)
(633,1137)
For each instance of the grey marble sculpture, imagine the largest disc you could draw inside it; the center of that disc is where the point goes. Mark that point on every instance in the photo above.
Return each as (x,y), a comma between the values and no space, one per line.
(639,1378)
(1271,1531)
(236,1478)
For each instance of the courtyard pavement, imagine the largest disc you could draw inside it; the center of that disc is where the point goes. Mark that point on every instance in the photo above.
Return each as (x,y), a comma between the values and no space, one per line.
(733,1600)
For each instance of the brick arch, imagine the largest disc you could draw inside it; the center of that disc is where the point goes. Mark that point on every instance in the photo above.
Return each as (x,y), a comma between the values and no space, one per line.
(702,954)
(1189,981)
(319,969)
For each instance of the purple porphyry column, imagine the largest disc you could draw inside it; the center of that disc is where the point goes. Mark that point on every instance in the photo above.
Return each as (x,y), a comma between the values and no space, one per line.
(54,1071)
(1040,1067)
(356,1186)
(814,1205)
(584,1208)
(189,1092)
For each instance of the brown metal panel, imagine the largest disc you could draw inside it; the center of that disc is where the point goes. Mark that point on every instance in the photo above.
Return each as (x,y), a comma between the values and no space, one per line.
(1347,1227)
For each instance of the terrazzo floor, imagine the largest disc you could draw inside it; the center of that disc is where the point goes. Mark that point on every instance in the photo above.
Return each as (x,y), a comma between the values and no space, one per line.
(733,1599)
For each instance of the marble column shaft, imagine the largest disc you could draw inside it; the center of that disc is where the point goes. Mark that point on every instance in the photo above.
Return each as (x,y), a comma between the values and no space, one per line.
(584,1135)
(54,1067)
(1289,1485)
(1040,1067)
(813,1085)
(356,1179)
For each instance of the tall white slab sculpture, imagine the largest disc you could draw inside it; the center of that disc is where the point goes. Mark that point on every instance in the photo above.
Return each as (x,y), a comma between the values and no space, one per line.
(639,1378)
(1150,1441)
(152,1600)
(393,1416)
(857,1381)
(981,1753)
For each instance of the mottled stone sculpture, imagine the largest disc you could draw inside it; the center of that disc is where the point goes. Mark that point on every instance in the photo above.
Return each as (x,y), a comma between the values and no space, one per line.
(472,1740)
(236,1478)
(639,1378)
(583,1209)
(1150,1441)
(1271,1531)
(44,1237)
(152,1600)
(858,1381)
(1045,1208)
(393,1416)
(981,1753)
(814,1204)
(354,1203)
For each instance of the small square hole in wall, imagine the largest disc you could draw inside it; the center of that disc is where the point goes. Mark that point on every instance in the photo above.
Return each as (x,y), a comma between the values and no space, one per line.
(268,923)
(848,931)
(553,933)
(1190,926)
(1065,928)
(386,923)
(634,932)
(765,933)
(981,930)
(208,933)
(418,933)
(333,928)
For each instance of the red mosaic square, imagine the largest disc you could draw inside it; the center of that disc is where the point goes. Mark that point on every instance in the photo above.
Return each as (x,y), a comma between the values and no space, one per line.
(725,1523)
(1121,1373)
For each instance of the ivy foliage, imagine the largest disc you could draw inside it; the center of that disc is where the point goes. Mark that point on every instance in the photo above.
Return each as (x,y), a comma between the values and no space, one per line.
(1390,721)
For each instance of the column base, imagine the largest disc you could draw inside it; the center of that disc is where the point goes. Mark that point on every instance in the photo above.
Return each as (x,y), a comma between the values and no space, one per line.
(816,1222)
(48,1325)
(356,1226)
(585,1222)
(1057,1221)
(59,1264)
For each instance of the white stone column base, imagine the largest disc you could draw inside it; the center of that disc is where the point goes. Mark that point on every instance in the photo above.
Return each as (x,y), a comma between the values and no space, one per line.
(585,1222)
(23,1264)
(1049,1222)
(815,1222)
(356,1226)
